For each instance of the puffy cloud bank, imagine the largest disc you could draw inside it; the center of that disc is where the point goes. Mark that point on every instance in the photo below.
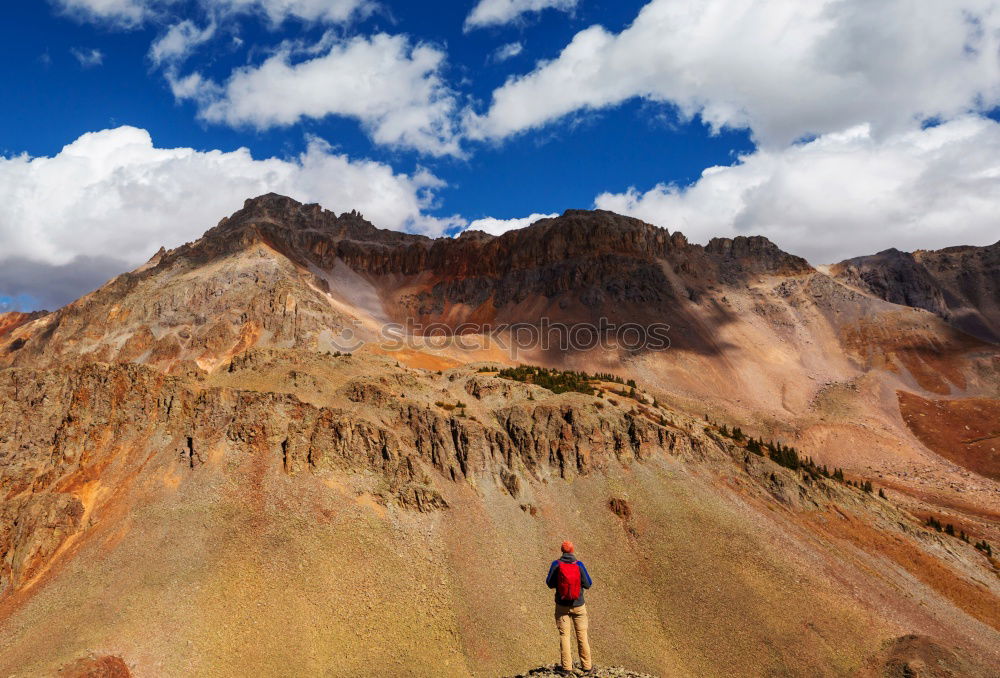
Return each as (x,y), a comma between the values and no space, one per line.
(392,87)
(844,194)
(782,69)
(110,199)
(132,13)
(497,226)
(497,12)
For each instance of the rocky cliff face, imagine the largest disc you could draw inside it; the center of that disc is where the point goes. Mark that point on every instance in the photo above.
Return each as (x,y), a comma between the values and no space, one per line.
(60,429)
(595,258)
(959,284)
(262,276)
(307,232)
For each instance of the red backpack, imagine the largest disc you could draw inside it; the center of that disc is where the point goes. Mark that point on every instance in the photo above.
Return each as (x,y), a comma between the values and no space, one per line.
(568,581)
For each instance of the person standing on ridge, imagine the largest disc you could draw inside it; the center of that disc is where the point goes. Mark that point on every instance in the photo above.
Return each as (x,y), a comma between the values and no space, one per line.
(569,578)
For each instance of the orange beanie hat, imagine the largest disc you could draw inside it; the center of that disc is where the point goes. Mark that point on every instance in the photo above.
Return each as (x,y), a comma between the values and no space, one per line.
(567,547)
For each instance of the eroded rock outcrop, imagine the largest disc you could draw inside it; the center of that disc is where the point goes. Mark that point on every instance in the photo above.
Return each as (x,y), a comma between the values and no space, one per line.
(959,284)
(58,426)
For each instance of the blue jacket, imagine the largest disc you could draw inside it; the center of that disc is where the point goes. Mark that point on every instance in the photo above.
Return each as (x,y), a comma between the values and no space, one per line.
(585,581)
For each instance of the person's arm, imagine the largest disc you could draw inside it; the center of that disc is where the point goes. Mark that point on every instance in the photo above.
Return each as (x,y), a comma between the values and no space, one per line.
(585,580)
(550,579)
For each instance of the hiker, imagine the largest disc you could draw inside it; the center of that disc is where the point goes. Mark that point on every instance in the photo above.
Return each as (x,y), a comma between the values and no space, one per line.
(569,577)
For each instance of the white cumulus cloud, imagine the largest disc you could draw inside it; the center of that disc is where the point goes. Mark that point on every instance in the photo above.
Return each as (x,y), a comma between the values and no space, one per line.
(88,58)
(784,69)
(393,88)
(499,226)
(120,13)
(132,13)
(844,194)
(277,11)
(114,192)
(508,51)
(179,41)
(496,12)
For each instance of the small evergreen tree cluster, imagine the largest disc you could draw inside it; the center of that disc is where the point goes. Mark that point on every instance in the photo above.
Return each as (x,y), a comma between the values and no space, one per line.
(784,455)
(631,393)
(607,376)
(789,457)
(736,434)
(949,530)
(557,381)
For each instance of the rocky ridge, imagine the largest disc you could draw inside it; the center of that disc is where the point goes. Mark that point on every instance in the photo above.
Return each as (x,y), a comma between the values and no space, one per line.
(597,256)
(276,260)
(308,231)
(959,284)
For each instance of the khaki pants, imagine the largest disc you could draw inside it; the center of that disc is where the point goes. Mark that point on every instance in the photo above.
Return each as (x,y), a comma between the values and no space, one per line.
(577,616)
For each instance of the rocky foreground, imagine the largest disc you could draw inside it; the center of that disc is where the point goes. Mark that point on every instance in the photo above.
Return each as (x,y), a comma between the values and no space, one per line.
(598,672)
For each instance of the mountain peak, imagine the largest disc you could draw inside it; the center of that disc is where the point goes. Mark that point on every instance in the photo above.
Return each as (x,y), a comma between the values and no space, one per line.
(759,252)
(959,284)
(271,199)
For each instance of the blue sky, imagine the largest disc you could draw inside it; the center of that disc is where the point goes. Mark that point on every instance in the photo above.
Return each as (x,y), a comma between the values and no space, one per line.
(635,144)
(125,119)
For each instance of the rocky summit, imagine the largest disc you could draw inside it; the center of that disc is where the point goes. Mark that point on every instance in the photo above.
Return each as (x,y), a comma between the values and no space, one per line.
(959,284)
(303,445)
